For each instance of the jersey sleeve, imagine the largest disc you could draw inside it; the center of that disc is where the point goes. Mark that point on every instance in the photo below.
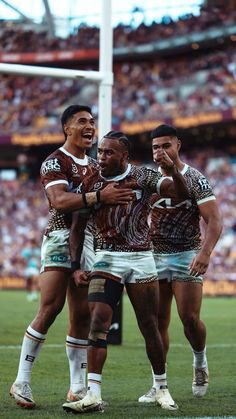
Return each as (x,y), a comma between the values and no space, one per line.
(201,188)
(154,180)
(53,172)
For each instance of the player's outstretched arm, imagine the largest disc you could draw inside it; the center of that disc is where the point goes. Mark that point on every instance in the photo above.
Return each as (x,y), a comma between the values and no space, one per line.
(63,200)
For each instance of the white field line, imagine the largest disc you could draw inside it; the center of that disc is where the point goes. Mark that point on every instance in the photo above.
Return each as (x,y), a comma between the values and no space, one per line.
(174,345)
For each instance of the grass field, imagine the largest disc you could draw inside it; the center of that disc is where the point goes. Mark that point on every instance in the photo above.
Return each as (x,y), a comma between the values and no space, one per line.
(127,373)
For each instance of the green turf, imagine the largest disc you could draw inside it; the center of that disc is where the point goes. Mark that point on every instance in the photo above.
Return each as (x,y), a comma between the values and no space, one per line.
(127,373)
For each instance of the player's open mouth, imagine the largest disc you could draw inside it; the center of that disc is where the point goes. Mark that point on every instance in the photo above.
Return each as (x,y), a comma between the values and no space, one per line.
(88,136)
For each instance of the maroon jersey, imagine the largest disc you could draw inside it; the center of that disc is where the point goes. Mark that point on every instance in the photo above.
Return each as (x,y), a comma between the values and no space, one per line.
(61,167)
(174,224)
(124,228)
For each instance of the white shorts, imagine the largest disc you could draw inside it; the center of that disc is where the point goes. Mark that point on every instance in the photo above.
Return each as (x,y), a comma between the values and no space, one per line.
(55,251)
(88,253)
(127,267)
(175,266)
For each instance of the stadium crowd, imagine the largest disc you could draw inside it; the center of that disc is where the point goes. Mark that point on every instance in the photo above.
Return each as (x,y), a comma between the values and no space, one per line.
(14,39)
(23,216)
(168,88)
(143,91)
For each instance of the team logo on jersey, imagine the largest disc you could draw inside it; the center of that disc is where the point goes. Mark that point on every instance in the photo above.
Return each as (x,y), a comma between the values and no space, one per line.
(97,186)
(51,165)
(74,168)
(204,184)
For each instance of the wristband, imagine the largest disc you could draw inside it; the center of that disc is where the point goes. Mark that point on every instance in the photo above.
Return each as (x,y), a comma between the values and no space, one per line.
(84,199)
(98,194)
(75,266)
(90,198)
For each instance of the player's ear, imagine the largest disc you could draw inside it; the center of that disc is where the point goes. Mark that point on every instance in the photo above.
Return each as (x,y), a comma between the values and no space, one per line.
(67,130)
(179,144)
(125,155)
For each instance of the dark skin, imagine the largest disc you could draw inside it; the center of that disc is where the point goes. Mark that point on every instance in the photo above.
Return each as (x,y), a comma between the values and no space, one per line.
(80,131)
(113,160)
(188,295)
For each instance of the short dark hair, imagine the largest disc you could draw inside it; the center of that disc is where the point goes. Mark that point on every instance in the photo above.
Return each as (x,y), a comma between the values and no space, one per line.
(118,135)
(164,131)
(70,111)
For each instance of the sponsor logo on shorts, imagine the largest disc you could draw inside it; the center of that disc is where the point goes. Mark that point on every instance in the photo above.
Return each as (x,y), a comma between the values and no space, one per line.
(101,265)
(59,258)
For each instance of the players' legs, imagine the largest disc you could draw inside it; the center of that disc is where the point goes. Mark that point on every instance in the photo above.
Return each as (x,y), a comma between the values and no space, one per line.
(164,313)
(188,297)
(145,301)
(77,339)
(53,293)
(104,295)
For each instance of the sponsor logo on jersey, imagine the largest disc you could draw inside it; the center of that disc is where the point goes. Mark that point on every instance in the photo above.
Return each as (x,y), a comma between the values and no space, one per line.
(59,258)
(204,184)
(167,203)
(51,165)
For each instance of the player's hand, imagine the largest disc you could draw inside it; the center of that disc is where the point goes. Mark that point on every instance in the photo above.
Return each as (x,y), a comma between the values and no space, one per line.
(80,278)
(161,158)
(111,194)
(199,264)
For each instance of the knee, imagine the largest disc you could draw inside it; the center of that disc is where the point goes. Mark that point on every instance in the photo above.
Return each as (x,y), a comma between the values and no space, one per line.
(190,321)
(49,311)
(148,326)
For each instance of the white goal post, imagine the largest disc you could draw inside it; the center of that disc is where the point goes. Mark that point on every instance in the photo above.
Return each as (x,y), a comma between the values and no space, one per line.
(103,77)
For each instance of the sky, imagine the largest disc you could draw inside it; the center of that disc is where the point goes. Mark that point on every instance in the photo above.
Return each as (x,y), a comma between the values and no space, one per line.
(70,13)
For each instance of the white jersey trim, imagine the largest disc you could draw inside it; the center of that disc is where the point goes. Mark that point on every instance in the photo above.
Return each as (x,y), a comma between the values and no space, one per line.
(82,162)
(160,182)
(56,182)
(119,177)
(184,170)
(209,198)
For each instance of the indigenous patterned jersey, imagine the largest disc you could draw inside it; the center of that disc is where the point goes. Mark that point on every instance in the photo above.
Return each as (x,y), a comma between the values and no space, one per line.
(175,225)
(124,228)
(61,167)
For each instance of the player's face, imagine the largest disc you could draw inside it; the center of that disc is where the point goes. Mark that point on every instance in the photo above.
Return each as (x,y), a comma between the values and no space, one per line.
(80,130)
(171,145)
(112,157)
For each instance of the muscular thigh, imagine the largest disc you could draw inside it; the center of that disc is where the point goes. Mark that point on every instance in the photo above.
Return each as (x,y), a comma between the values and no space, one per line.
(77,298)
(53,286)
(188,296)
(165,300)
(144,299)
